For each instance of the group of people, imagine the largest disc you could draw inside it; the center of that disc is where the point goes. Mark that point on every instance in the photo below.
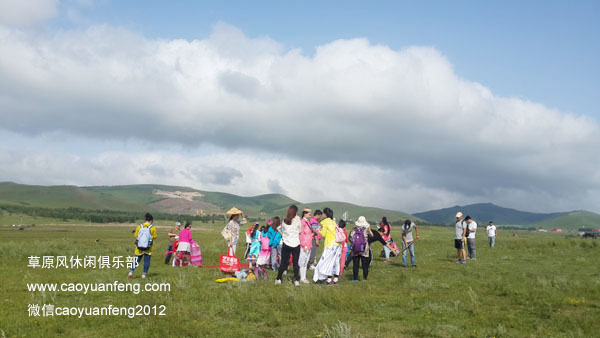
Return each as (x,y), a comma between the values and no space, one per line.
(465,231)
(296,239)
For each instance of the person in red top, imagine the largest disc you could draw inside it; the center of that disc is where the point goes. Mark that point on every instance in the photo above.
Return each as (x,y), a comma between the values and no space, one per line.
(387,237)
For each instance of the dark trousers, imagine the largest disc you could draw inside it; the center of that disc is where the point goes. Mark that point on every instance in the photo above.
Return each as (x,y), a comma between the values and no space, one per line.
(168,258)
(285,261)
(365,266)
(313,252)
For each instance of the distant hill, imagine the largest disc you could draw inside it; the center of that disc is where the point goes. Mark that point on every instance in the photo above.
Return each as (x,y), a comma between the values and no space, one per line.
(170,199)
(484,212)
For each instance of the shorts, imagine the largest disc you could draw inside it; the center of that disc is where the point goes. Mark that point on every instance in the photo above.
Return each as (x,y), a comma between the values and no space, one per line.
(459,244)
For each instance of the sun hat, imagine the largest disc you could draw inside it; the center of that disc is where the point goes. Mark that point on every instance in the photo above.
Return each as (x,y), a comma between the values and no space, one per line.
(362,222)
(306,210)
(234,211)
(459,214)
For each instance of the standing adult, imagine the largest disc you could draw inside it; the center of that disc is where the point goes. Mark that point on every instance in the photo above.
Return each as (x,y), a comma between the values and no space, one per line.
(231,232)
(145,234)
(173,234)
(491,232)
(471,229)
(387,237)
(306,244)
(328,268)
(409,242)
(275,243)
(459,238)
(185,245)
(315,226)
(290,235)
(360,249)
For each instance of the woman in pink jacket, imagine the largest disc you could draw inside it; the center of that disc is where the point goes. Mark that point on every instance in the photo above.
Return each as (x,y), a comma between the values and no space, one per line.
(306,239)
(185,245)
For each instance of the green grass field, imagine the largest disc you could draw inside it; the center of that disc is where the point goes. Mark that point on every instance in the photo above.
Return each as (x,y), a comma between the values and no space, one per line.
(536,285)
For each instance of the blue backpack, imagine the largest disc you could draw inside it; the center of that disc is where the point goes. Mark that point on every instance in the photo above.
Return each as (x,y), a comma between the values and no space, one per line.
(144,237)
(359,242)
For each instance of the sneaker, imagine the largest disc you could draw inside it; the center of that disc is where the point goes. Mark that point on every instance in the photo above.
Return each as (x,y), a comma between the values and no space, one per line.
(305,281)
(354,281)
(335,280)
(130,275)
(328,282)
(458,261)
(414,265)
(405,266)
(474,259)
(312,267)
(296,283)
(143,276)
(277,281)
(464,262)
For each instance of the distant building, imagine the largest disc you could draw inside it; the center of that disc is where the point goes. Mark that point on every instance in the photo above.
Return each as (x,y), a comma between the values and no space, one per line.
(556,230)
(542,230)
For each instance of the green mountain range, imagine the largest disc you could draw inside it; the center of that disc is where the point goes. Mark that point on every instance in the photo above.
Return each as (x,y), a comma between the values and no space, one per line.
(173,200)
(484,212)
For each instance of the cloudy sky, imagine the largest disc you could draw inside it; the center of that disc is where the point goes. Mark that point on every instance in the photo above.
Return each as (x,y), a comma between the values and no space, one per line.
(399,107)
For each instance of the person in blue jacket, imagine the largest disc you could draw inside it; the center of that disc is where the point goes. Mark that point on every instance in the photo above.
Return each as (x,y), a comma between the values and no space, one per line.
(275,243)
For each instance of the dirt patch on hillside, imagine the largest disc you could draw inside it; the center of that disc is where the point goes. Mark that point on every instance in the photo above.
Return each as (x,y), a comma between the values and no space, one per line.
(189,196)
(184,206)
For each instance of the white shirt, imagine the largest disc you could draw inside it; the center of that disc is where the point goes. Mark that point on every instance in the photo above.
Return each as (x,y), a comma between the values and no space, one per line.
(472,226)
(491,230)
(291,232)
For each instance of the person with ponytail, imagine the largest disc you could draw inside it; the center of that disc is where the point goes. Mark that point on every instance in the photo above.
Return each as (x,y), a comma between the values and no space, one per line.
(290,236)
(328,268)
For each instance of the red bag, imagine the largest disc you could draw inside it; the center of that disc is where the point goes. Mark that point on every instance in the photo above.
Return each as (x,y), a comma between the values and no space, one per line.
(229,263)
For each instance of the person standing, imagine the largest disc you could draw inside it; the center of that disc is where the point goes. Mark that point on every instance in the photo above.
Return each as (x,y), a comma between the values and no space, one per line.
(145,234)
(359,247)
(306,244)
(290,236)
(387,237)
(328,268)
(459,238)
(408,243)
(471,229)
(185,245)
(231,232)
(342,225)
(491,232)
(275,243)
(173,234)
(314,223)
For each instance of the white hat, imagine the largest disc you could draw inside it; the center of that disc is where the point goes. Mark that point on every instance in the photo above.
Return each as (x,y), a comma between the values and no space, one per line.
(362,222)
(459,214)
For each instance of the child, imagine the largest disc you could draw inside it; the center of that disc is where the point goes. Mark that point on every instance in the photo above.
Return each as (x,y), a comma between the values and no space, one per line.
(255,246)
(265,250)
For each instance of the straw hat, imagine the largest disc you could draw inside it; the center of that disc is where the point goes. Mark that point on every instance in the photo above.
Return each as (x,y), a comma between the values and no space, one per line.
(234,211)
(362,222)
(306,210)
(459,214)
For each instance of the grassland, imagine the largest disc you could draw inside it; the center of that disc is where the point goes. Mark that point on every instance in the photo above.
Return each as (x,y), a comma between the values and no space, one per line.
(536,285)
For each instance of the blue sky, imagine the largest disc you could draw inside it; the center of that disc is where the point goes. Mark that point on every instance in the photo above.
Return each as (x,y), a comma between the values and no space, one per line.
(544,51)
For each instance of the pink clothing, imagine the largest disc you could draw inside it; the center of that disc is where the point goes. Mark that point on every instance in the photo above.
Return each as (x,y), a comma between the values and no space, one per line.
(343,256)
(185,236)
(306,235)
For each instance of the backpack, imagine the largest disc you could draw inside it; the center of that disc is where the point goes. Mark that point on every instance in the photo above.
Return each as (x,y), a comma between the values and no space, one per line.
(466,226)
(359,242)
(144,238)
(340,237)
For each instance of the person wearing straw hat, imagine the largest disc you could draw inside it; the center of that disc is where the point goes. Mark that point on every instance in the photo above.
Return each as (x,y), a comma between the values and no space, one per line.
(231,232)
(460,229)
(360,248)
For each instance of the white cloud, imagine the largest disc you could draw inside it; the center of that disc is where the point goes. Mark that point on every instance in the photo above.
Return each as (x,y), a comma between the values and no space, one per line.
(402,117)
(27,12)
